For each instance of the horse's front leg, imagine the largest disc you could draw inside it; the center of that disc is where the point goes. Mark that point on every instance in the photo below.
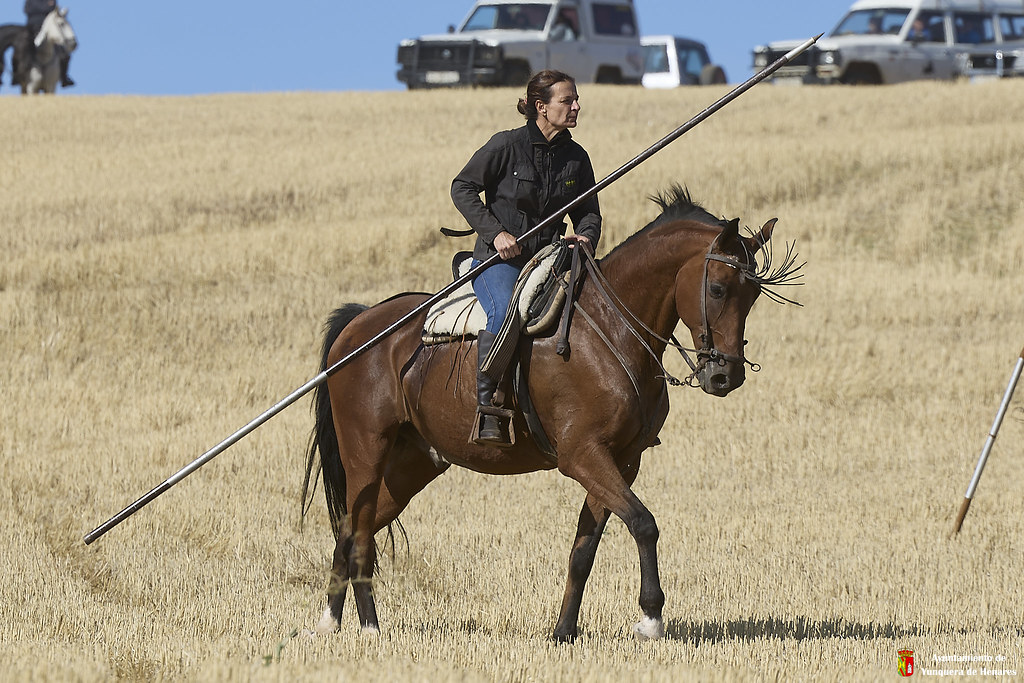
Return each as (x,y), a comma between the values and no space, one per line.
(652,598)
(600,476)
(589,529)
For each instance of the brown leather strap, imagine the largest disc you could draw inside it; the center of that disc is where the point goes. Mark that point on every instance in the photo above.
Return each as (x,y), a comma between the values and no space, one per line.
(562,349)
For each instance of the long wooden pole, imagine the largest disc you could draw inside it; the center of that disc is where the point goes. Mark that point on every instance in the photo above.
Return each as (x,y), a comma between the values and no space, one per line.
(322,377)
(973,486)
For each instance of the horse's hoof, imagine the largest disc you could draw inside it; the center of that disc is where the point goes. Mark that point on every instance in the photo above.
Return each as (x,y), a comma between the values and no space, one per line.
(564,638)
(327,624)
(649,628)
(371,631)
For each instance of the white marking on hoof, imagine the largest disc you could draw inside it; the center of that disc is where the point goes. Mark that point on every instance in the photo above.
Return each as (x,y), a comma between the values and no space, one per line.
(327,624)
(371,631)
(649,628)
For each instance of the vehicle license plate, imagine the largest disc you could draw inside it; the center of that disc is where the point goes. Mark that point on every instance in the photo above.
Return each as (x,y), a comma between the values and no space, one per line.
(442,77)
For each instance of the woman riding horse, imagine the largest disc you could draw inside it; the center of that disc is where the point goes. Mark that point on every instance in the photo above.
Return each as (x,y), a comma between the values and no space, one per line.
(389,420)
(525,175)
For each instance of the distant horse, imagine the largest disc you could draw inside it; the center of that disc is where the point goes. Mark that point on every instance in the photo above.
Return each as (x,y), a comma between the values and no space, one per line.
(41,73)
(12,36)
(383,419)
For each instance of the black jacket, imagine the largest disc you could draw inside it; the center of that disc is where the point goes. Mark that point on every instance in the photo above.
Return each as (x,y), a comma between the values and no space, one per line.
(525,179)
(36,10)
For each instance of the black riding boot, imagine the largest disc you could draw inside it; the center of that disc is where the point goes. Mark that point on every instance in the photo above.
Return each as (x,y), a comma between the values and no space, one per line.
(65,80)
(490,429)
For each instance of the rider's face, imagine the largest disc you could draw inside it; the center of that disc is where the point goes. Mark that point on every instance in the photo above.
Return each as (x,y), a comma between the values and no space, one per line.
(561,112)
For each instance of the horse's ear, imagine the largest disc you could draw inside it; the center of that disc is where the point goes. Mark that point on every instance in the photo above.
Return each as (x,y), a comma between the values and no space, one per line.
(756,242)
(731,230)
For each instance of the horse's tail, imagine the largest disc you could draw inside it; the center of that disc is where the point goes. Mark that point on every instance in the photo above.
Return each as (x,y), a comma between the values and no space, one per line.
(324,439)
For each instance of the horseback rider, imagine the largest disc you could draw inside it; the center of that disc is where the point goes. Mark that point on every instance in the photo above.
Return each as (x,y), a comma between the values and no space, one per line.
(525,174)
(35,13)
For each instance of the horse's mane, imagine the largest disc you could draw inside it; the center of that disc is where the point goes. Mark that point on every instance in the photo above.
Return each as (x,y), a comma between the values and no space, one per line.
(676,205)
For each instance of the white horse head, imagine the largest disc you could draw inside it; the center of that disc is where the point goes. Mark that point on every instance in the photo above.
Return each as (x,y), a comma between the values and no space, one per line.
(56,31)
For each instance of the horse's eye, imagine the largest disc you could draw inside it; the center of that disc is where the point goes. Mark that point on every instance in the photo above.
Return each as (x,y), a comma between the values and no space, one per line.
(716,290)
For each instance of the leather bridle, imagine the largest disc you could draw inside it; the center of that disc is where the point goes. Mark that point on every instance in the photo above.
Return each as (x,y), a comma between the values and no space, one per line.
(706,354)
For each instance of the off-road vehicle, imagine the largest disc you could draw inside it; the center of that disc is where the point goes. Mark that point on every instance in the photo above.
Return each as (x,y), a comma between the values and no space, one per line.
(892,41)
(503,43)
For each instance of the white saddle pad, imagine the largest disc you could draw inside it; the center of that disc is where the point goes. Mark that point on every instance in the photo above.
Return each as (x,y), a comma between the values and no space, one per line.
(460,315)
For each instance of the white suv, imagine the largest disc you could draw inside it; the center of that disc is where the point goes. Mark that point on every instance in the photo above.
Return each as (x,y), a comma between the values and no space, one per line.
(671,61)
(504,42)
(892,41)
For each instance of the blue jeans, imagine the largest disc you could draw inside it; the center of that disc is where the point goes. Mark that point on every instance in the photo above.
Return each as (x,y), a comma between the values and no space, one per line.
(494,287)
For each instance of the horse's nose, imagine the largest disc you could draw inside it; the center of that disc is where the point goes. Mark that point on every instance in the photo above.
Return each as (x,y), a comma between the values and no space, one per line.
(719,380)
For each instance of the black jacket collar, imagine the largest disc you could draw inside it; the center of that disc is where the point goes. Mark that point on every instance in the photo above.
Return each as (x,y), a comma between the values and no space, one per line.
(537,138)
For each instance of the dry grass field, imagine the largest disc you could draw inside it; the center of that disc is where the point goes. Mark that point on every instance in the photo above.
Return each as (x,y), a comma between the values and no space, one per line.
(168,264)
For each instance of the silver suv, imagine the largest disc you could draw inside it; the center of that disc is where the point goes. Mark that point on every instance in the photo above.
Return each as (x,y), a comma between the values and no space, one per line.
(892,41)
(504,42)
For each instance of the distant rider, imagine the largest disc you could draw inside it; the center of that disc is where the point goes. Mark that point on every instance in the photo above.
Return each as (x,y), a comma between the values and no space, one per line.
(35,12)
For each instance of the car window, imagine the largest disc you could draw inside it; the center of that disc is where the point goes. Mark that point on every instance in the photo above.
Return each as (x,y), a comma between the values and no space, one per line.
(569,19)
(522,17)
(692,61)
(1012,26)
(614,20)
(973,27)
(872,22)
(655,59)
(927,27)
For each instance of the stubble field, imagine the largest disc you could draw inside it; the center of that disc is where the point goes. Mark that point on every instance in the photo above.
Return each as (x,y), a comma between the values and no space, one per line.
(167,267)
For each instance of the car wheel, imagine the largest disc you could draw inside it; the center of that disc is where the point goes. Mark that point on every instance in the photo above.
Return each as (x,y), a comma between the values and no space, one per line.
(712,74)
(608,74)
(862,74)
(516,74)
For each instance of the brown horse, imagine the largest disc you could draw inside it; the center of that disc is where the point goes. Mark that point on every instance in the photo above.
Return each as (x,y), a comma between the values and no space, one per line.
(383,419)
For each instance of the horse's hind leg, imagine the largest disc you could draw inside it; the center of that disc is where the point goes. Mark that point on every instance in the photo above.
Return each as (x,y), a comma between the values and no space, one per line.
(353,473)
(364,486)
(405,471)
(409,469)
(354,554)
(338,586)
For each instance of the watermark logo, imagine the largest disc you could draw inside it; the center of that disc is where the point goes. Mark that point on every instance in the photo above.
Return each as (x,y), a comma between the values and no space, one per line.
(906,663)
